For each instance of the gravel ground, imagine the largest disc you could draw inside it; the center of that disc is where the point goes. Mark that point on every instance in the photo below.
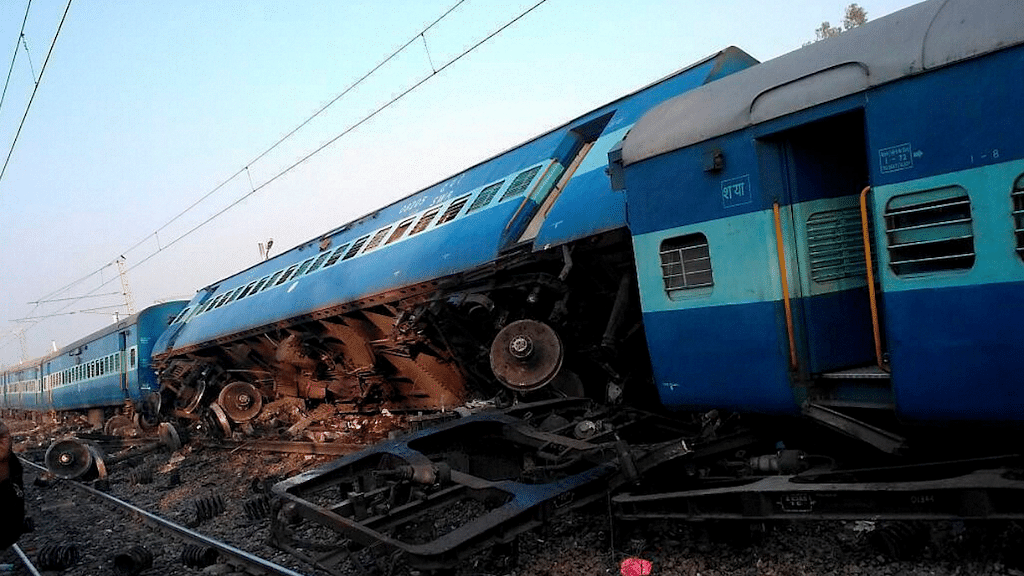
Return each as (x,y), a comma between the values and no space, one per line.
(583,542)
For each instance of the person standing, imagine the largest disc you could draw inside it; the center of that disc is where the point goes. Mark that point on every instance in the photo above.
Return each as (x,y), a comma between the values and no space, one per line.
(12,491)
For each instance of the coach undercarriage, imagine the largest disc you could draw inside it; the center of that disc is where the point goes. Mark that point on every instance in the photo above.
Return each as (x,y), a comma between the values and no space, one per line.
(529,322)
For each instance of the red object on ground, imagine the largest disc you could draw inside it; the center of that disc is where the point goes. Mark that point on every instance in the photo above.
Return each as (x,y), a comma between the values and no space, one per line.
(635,567)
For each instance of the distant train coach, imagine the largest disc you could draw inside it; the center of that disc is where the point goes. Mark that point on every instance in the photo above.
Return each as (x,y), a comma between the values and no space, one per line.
(109,368)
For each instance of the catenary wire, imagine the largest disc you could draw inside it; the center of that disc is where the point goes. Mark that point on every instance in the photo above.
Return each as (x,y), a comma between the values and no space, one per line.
(245,169)
(14,56)
(305,158)
(34,90)
(302,125)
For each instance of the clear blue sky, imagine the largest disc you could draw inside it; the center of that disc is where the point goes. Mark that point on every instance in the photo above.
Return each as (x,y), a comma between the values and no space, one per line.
(145,107)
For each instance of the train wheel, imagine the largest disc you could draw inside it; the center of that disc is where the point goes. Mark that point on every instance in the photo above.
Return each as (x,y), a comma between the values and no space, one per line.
(526,355)
(120,425)
(217,421)
(69,458)
(170,437)
(147,414)
(241,401)
(190,397)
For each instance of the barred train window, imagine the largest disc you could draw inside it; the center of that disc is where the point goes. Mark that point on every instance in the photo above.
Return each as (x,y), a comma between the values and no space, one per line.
(930,231)
(377,239)
(1018,213)
(686,265)
(485,196)
(453,210)
(519,183)
(835,243)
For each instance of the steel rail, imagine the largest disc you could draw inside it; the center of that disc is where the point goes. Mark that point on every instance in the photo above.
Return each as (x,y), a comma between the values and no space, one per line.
(250,562)
(24,560)
(314,448)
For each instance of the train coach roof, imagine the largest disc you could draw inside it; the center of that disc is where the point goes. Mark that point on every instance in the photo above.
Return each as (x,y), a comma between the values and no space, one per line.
(924,36)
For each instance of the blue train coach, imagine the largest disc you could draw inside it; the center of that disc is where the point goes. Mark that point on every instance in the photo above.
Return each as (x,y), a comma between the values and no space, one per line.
(842,226)
(399,309)
(110,368)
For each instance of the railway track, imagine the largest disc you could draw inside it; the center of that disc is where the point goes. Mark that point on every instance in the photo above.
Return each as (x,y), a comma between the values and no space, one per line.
(110,518)
(244,562)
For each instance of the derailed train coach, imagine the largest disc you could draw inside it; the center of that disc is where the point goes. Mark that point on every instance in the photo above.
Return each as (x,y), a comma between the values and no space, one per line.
(108,372)
(518,269)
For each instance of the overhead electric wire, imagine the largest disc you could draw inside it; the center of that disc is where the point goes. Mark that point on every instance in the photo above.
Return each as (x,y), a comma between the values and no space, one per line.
(434,72)
(310,155)
(323,146)
(34,90)
(302,125)
(14,55)
(258,157)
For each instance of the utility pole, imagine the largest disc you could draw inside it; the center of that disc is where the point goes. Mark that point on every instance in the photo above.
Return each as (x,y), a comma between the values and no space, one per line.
(129,302)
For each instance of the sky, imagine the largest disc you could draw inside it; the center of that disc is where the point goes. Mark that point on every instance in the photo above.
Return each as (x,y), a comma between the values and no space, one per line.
(144,109)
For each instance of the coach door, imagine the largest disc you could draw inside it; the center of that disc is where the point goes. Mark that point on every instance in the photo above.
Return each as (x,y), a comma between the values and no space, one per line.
(817,172)
(122,346)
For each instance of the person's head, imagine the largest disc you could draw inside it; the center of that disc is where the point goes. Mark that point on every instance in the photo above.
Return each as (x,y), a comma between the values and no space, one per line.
(5,441)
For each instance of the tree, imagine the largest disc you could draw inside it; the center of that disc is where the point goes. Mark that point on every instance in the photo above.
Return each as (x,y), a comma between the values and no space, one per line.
(855,16)
(826,31)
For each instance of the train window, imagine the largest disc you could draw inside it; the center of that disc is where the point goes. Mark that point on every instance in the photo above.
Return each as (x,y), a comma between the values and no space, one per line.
(453,210)
(355,247)
(318,262)
(132,358)
(835,243)
(182,315)
(336,255)
(930,231)
(203,307)
(234,294)
(248,289)
(287,275)
(399,230)
(519,184)
(425,220)
(377,239)
(1018,214)
(485,196)
(686,265)
(273,279)
(225,298)
(304,267)
(261,285)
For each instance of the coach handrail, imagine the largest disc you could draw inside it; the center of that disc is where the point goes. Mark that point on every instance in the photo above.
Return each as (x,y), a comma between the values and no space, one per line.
(793,363)
(871,277)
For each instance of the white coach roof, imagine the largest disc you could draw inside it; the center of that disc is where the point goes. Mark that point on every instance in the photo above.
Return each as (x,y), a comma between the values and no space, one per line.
(918,38)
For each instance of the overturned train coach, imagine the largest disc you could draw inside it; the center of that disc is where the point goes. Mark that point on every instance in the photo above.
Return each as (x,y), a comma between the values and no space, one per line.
(518,270)
(838,228)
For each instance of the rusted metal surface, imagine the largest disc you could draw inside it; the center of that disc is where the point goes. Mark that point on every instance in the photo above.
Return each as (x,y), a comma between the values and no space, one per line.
(568,315)
(241,401)
(526,355)
(87,459)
